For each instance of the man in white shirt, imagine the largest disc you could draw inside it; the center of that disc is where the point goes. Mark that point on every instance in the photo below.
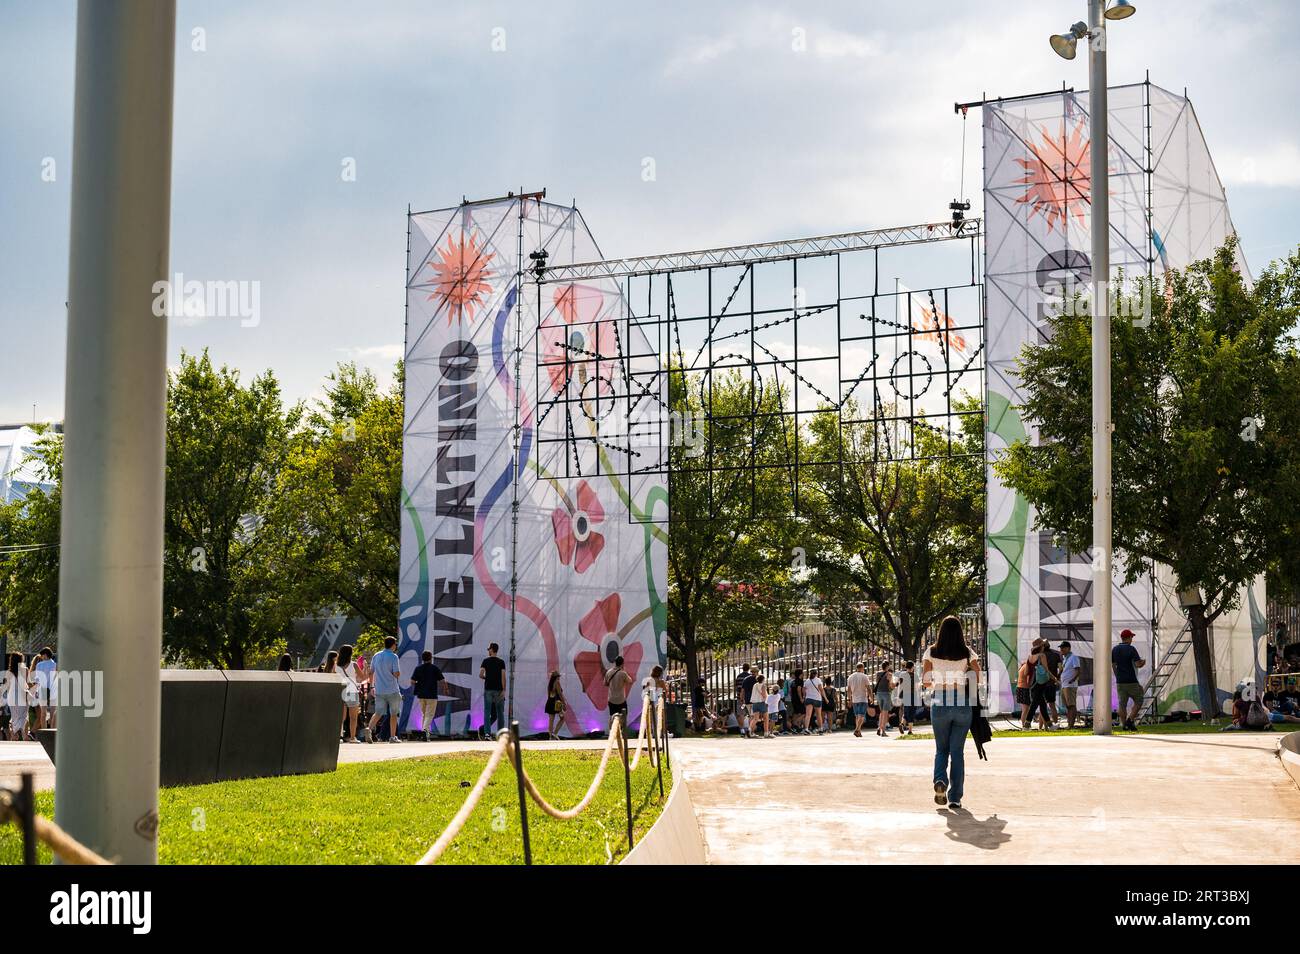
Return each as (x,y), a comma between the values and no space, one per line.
(45,679)
(859,687)
(1070,667)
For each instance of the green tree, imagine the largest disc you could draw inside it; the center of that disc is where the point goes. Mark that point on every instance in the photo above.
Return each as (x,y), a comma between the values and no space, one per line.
(1206,413)
(226,583)
(341,488)
(900,535)
(731,577)
(29,551)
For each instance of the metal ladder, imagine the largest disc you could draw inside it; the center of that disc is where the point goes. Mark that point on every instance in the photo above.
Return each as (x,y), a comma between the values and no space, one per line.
(1163,672)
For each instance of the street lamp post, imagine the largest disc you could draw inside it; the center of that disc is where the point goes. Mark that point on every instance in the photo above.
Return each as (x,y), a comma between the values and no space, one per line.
(1099,195)
(110,565)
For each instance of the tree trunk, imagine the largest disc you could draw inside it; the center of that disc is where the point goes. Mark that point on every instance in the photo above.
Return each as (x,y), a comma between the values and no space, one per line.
(692,669)
(689,657)
(1203,655)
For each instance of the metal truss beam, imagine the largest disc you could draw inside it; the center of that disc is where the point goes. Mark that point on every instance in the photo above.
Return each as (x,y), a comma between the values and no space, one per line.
(764,252)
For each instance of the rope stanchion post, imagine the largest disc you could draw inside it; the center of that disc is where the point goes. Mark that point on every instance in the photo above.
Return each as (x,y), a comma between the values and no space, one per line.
(27,809)
(648,712)
(627,777)
(523,796)
(663,727)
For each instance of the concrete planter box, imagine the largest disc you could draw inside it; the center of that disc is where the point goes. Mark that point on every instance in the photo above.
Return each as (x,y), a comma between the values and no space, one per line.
(218,725)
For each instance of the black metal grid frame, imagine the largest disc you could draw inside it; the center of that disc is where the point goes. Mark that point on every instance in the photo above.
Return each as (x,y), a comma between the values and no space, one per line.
(729,324)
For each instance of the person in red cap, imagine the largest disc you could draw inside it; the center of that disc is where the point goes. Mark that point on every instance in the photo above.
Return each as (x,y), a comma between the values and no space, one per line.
(1125,661)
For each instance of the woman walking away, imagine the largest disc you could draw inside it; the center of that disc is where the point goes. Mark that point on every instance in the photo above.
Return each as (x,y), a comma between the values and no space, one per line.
(828,709)
(347,668)
(906,698)
(555,706)
(1040,681)
(759,724)
(16,698)
(812,700)
(884,699)
(798,708)
(952,671)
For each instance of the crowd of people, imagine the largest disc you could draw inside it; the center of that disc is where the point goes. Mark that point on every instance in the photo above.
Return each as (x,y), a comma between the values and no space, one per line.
(810,702)
(377,687)
(29,695)
(946,692)
(1277,702)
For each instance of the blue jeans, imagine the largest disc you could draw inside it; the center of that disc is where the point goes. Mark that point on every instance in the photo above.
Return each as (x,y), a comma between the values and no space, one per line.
(951,723)
(494,709)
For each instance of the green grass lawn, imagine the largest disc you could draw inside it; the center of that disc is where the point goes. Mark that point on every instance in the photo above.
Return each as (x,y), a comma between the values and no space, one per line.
(1165,728)
(391,812)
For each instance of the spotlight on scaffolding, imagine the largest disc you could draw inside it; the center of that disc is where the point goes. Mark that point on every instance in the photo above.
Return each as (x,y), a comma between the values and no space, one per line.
(959,210)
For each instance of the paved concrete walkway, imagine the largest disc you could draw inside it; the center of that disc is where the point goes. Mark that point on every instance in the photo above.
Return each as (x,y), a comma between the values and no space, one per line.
(1129,799)
(19,757)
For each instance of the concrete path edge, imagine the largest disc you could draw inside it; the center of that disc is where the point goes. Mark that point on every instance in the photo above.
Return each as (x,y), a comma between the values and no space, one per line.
(1288,750)
(675,837)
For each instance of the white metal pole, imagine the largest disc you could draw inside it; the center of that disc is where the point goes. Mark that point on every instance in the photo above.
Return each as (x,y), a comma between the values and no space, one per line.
(1099,192)
(110,572)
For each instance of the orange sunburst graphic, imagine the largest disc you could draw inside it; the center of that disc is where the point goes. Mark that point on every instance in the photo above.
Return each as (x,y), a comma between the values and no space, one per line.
(462,276)
(1057,180)
(938,330)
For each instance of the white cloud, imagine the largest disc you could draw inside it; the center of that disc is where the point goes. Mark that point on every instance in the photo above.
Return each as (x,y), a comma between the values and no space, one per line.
(1277,164)
(383,352)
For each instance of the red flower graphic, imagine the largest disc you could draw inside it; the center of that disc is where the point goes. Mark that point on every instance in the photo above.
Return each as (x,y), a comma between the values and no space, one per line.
(462,276)
(600,626)
(574,536)
(1057,179)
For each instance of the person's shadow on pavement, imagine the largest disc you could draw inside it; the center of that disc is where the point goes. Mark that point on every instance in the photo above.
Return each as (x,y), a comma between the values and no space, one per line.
(989,834)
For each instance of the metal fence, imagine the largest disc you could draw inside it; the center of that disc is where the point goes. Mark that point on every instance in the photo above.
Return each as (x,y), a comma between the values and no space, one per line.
(807,646)
(1285,609)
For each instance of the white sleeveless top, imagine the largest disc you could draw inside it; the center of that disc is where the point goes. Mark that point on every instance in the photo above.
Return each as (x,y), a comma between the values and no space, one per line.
(948,672)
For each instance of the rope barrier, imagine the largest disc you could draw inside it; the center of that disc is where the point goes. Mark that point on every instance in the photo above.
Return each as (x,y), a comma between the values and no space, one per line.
(505,748)
(68,849)
(563,814)
(641,739)
(471,800)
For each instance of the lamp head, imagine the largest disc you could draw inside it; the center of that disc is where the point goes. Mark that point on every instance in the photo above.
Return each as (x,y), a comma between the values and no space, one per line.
(1120,10)
(1064,44)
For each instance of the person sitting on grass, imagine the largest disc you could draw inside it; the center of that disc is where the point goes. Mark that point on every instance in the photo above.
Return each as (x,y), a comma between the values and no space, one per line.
(1240,707)
(1276,715)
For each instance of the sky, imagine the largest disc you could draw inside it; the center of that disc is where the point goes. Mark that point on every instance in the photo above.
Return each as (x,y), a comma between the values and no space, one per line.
(762,121)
